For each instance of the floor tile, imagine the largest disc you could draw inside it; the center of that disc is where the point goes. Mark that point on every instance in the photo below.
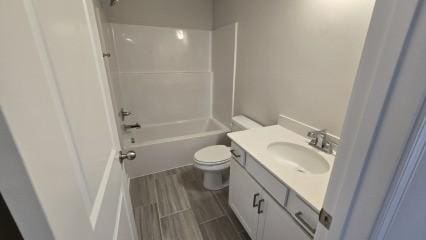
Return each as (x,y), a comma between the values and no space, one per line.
(244,236)
(172,196)
(149,223)
(181,226)
(142,191)
(165,173)
(189,173)
(203,204)
(183,203)
(222,197)
(137,214)
(219,229)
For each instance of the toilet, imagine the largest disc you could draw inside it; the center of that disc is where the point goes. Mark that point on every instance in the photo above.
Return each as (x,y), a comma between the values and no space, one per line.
(213,160)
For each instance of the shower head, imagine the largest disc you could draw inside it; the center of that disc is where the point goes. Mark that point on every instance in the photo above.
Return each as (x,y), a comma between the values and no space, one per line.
(113,2)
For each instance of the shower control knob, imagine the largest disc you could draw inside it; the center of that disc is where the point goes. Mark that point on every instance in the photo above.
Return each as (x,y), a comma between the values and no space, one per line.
(123,114)
(130,155)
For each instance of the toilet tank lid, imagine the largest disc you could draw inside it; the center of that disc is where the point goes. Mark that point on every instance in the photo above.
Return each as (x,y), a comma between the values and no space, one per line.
(245,122)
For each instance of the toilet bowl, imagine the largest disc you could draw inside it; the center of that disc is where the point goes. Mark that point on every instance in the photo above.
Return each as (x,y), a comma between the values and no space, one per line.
(214,160)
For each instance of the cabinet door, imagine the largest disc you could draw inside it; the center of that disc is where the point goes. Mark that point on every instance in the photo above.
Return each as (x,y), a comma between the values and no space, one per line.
(242,191)
(276,224)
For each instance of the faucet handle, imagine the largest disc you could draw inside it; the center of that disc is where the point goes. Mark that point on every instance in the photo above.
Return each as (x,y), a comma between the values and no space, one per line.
(314,133)
(123,114)
(311,134)
(328,147)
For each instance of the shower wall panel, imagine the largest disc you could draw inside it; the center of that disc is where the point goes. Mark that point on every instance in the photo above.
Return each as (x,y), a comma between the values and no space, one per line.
(165,73)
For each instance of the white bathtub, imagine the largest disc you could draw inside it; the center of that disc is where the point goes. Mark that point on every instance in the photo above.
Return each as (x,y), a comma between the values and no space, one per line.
(165,146)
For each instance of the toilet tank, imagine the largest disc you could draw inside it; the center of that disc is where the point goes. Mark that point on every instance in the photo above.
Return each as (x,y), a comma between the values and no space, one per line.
(240,123)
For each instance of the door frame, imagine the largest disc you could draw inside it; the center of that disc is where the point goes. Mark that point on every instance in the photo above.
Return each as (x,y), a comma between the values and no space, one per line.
(18,191)
(32,105)
(414,158)
(360,178)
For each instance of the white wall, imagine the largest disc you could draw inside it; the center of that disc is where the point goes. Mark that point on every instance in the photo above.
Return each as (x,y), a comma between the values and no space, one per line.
(164,72)
(296,58)
(167,97)
(159,49)
(196,14)
(223,66)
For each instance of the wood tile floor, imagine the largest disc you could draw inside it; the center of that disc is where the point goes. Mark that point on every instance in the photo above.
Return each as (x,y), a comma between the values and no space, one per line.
(173,205)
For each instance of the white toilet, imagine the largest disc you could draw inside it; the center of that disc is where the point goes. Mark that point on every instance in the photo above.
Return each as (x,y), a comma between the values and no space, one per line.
(213,160)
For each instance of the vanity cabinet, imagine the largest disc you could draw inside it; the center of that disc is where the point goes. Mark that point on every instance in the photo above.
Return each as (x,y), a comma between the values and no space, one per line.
(238,154)
(276,224)
(261,215)
(244,194)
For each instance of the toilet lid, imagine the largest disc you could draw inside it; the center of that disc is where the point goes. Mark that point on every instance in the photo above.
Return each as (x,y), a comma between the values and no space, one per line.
(213,154)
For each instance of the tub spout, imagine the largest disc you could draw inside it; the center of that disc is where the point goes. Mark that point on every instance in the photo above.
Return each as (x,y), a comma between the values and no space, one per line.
(126,127)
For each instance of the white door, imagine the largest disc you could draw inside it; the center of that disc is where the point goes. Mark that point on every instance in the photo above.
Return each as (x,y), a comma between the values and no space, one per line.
(276,224)
(55,97)
(110,58)
(244,193)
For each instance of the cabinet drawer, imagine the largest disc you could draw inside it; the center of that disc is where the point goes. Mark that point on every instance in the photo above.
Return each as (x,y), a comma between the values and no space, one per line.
(277,189)
(276,223)
(303,213)
(238,154)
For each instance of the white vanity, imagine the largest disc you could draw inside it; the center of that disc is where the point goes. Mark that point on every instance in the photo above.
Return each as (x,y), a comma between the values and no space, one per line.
(277,183)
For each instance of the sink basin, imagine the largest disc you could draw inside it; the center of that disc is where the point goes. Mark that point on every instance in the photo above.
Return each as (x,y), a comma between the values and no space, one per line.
(301,158)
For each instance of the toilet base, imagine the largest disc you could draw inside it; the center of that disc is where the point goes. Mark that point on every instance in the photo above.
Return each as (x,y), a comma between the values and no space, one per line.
(212,175)
(212,180)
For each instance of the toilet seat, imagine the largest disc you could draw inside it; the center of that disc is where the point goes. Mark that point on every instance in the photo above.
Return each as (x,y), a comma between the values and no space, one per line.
(213,155)
(215,160)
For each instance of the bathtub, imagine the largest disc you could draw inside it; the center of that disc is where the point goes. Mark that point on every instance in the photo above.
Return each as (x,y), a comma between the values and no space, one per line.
(165,146)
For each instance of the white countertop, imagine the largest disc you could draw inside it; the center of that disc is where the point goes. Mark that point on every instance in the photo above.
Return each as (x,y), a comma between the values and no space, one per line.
(310,187)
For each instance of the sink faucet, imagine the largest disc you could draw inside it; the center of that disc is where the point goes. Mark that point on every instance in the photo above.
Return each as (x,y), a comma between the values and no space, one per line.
(320,141)
(126,127)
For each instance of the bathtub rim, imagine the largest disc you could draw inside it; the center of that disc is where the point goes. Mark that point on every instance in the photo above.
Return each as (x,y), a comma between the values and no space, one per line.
(161,171)
(224,129)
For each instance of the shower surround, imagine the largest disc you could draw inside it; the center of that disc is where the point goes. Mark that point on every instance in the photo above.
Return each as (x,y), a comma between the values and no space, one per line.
(166,81)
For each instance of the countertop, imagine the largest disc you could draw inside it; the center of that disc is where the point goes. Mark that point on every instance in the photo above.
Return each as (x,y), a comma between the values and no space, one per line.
(310,187)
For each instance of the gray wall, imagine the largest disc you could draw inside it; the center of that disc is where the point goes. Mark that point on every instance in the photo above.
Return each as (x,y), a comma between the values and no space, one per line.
(195,14)
(296,57)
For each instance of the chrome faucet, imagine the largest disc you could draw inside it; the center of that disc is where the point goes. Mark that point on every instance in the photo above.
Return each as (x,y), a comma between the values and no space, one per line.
(126,127)
(320,141)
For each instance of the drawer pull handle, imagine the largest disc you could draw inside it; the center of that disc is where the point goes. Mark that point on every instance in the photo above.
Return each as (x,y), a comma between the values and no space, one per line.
(234,154)
(259,206)
(255,200)
(299,217)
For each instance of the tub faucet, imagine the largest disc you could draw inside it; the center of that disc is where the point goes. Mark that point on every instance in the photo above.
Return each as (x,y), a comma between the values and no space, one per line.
(126,127)
(320,141)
